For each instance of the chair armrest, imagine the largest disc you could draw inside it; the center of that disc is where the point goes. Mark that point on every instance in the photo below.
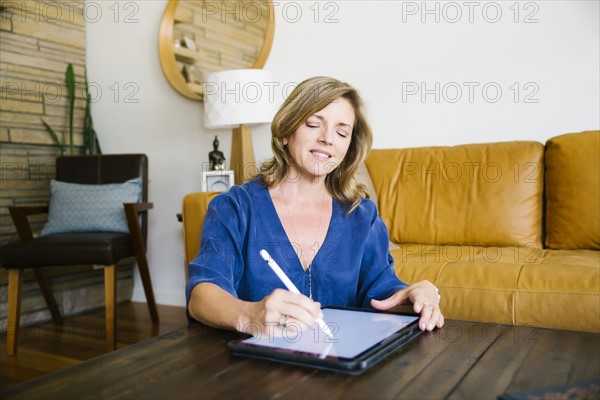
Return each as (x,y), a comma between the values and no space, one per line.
(19,216)
(138,207)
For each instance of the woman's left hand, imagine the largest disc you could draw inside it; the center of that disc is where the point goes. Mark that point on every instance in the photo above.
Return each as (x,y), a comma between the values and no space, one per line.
(425,299)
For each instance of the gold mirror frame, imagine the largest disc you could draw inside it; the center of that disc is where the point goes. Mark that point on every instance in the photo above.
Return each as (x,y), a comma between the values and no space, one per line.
(170,55)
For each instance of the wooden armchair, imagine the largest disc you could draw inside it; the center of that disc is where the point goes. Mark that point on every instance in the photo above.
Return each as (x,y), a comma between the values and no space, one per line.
(71,249)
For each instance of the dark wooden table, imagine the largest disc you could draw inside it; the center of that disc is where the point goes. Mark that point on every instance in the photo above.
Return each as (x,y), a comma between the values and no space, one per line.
(462,360)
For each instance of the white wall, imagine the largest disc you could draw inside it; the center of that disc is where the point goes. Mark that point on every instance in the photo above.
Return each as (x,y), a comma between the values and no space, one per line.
(388,50)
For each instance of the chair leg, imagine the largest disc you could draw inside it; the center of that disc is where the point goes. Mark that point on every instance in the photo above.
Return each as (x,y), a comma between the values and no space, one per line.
(15,282)
(110,294)
(140,255)
(40,276)
(142,262)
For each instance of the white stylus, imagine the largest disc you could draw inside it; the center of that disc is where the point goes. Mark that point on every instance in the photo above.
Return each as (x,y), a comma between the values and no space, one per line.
(289,285)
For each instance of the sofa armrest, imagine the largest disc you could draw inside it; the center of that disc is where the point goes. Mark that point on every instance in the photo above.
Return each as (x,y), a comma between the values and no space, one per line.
(193,212)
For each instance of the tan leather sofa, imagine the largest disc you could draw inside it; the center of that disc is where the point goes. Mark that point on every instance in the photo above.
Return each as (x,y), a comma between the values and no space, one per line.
(509,232)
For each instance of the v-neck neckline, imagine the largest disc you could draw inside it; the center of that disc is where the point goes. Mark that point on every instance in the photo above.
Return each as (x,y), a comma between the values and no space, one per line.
(277,230)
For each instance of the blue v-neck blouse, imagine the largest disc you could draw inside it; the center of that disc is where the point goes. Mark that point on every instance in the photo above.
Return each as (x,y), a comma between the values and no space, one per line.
(352,266)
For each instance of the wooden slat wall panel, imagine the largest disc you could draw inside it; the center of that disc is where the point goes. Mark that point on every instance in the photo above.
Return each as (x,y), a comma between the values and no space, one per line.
(37,41)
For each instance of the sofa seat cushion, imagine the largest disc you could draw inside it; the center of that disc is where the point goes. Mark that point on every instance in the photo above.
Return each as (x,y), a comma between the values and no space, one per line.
(477,283)
(562,291)
(479,291)
(416,262)
(522,285)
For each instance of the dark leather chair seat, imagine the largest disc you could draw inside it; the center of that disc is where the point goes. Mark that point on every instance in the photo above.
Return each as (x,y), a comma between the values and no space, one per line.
(104,248)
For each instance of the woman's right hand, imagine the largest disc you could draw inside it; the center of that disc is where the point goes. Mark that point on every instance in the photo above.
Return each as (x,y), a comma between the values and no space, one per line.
(280,313)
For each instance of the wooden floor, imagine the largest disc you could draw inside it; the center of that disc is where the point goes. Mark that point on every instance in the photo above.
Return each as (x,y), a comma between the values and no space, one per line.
(47,347)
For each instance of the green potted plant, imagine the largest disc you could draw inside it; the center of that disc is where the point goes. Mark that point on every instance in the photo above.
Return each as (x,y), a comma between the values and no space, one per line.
(90,138)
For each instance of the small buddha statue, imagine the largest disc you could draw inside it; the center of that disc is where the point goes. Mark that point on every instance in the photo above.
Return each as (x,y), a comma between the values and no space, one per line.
(216,157)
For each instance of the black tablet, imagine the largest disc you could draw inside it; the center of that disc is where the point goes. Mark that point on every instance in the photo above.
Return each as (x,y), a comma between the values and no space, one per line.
(361,339)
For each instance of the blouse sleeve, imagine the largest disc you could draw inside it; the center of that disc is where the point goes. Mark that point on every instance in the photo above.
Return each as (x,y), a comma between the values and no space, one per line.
(378,278)
(220,260)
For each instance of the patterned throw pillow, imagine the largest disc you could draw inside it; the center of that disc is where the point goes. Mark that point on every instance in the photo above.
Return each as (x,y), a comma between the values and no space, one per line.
(90,208)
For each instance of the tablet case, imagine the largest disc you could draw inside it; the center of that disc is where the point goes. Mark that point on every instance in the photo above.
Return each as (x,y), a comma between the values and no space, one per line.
(352,366)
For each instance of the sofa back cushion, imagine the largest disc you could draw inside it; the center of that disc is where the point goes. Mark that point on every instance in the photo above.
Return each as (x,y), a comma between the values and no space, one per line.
(479,194)
(572,191)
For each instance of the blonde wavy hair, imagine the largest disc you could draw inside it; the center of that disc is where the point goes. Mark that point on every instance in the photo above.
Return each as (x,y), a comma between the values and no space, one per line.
(306,99)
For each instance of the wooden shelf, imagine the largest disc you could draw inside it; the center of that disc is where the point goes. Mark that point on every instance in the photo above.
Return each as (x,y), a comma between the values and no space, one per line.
(186,55)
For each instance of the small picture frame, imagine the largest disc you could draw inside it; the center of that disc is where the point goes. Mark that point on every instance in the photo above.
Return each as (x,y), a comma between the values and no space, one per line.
(217,181)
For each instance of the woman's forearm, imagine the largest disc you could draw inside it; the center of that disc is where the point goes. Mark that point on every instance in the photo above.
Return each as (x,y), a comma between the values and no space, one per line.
(215,307)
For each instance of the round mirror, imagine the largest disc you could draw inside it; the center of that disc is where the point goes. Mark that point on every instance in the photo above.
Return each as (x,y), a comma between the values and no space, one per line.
(197,38)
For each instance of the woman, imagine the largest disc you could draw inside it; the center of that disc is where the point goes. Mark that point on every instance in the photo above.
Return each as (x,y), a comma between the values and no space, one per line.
(308,211)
